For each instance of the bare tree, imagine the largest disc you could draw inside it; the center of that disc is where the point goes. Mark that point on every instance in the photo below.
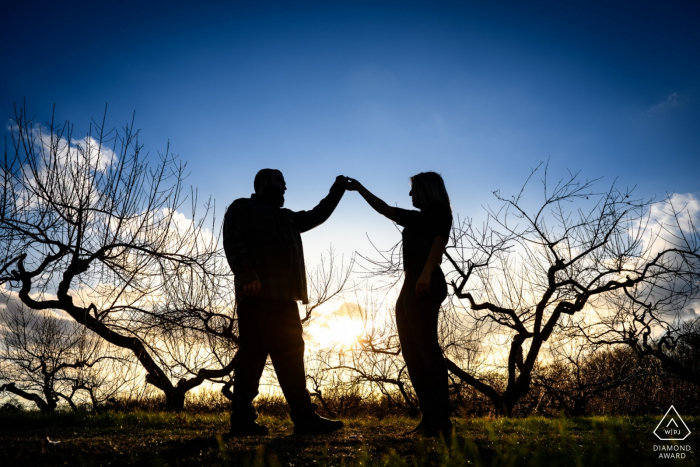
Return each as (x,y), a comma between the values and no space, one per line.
(373,363)
(194,326)
(333,389)
(658,316)
(383,372)
(327,281)
(88,227)
(677,347)
(577,372)
(542,268)
(679,351)
(46,357)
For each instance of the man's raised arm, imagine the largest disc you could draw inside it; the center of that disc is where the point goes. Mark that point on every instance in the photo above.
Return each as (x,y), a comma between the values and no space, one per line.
(307,220)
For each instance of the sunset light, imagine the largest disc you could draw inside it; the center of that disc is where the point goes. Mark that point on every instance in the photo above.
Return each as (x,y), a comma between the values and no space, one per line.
(349,232)
(342,331)
(340,326)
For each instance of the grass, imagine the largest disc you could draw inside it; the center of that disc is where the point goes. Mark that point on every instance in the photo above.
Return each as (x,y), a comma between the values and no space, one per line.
(160,439)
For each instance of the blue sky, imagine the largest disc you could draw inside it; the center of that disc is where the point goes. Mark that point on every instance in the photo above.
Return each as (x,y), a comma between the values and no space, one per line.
(478,91)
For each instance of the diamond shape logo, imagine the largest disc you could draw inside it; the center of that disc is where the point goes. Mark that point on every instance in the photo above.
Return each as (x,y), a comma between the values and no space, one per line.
(672,427)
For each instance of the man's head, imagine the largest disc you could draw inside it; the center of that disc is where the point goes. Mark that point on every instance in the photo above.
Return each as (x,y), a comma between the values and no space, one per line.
(269,184)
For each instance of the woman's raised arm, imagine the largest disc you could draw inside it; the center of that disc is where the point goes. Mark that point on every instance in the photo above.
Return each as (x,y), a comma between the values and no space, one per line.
(380,206)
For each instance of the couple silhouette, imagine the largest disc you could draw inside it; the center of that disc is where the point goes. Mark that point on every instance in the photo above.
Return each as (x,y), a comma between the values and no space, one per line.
(263,246)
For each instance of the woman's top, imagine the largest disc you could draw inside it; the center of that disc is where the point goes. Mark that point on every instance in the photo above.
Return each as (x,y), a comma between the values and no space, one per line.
(420,230)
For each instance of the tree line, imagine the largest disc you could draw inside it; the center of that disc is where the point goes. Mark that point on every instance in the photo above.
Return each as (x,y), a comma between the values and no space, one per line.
(568,300)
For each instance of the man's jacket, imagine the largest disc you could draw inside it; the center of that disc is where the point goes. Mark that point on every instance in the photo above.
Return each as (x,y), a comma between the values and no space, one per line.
(263,242)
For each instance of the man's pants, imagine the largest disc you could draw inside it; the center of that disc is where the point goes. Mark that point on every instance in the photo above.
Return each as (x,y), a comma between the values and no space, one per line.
(269,327)
(417,324)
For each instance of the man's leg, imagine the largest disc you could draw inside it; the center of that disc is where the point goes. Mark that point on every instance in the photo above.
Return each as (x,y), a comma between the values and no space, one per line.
(250,364)
(286,344)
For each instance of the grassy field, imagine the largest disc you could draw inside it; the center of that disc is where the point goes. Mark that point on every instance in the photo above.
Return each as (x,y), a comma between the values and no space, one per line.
(161,439)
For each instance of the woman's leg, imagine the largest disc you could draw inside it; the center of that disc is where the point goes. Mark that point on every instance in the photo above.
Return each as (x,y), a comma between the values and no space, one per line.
(430,371)
(409,350)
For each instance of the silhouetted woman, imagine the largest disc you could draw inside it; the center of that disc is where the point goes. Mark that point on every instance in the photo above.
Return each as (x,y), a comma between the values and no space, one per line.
(425,235)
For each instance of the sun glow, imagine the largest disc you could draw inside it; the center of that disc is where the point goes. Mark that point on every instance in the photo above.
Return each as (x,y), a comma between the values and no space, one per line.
(341,331)
(340,327)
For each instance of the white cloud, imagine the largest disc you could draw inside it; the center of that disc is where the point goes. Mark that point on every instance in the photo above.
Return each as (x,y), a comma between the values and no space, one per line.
(86,149)
(13,312)
(671,218)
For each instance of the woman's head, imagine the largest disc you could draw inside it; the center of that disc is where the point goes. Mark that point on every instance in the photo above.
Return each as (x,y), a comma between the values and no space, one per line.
(428,188)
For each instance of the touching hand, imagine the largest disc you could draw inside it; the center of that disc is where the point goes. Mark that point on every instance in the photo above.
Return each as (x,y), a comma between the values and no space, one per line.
(253,288)
(423,286)
(342,180)
(353,185)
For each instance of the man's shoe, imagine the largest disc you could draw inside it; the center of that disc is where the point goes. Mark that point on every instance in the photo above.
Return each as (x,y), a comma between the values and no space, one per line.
(316,425)
(247,429)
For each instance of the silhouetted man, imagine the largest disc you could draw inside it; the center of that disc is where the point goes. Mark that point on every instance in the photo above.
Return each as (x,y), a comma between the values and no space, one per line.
(263,247)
